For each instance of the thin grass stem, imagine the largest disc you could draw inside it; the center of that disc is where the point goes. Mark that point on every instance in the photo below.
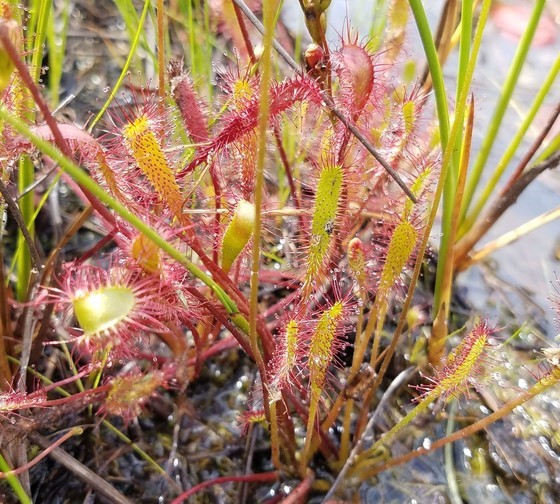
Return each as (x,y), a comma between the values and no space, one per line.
(262,126)
(116,87)
(13,481)
(27,238)
(514,144)
(501,107)
(133,23)
(161,49)
(39,22)
(500,205)
(553,146)
(37,209)
(26,171)
(443,121)
(464,44)
(511,237)
(26,251)
(435,69)
(57,30)
(439,328)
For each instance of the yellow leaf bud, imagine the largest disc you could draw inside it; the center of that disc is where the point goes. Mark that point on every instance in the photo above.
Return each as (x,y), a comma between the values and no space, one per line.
(238,233)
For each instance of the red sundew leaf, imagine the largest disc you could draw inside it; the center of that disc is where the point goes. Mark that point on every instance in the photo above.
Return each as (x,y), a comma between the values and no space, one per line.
(13,400)
(462,366)
(512,20)
(240,122)
(116,307)
(88,150)
(354,67)
(194,118)
(250,417)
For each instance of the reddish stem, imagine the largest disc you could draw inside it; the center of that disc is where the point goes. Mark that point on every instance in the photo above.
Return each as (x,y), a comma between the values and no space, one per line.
(65,400)
(70,379)
(97,248)
(299,493)
(219,315)
(288,170)
(281,305)
(216,348)
(244,34)
(75,431)
(531,152)
(250,478)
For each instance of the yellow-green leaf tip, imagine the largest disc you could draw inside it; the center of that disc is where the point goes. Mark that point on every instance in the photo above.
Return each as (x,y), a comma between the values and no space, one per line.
(238,233)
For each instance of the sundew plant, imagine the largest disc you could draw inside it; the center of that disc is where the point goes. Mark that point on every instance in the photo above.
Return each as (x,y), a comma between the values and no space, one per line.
(246,277)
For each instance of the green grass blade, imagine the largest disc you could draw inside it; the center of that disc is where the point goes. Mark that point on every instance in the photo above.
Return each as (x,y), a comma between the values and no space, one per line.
(13,481)
(552,147)
(26,176)
(454,135)
(435,69)
(56,38)
(443,116)
(378,23)
(465,44)
(514,144)
(128,62)
(445,243)
(199,43)
(38,24)
(501,106)
(132,22)
(42,12)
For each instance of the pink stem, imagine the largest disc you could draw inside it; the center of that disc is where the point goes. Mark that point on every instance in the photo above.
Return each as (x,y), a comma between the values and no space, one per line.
(299,493)
(75,431)
(268,476)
